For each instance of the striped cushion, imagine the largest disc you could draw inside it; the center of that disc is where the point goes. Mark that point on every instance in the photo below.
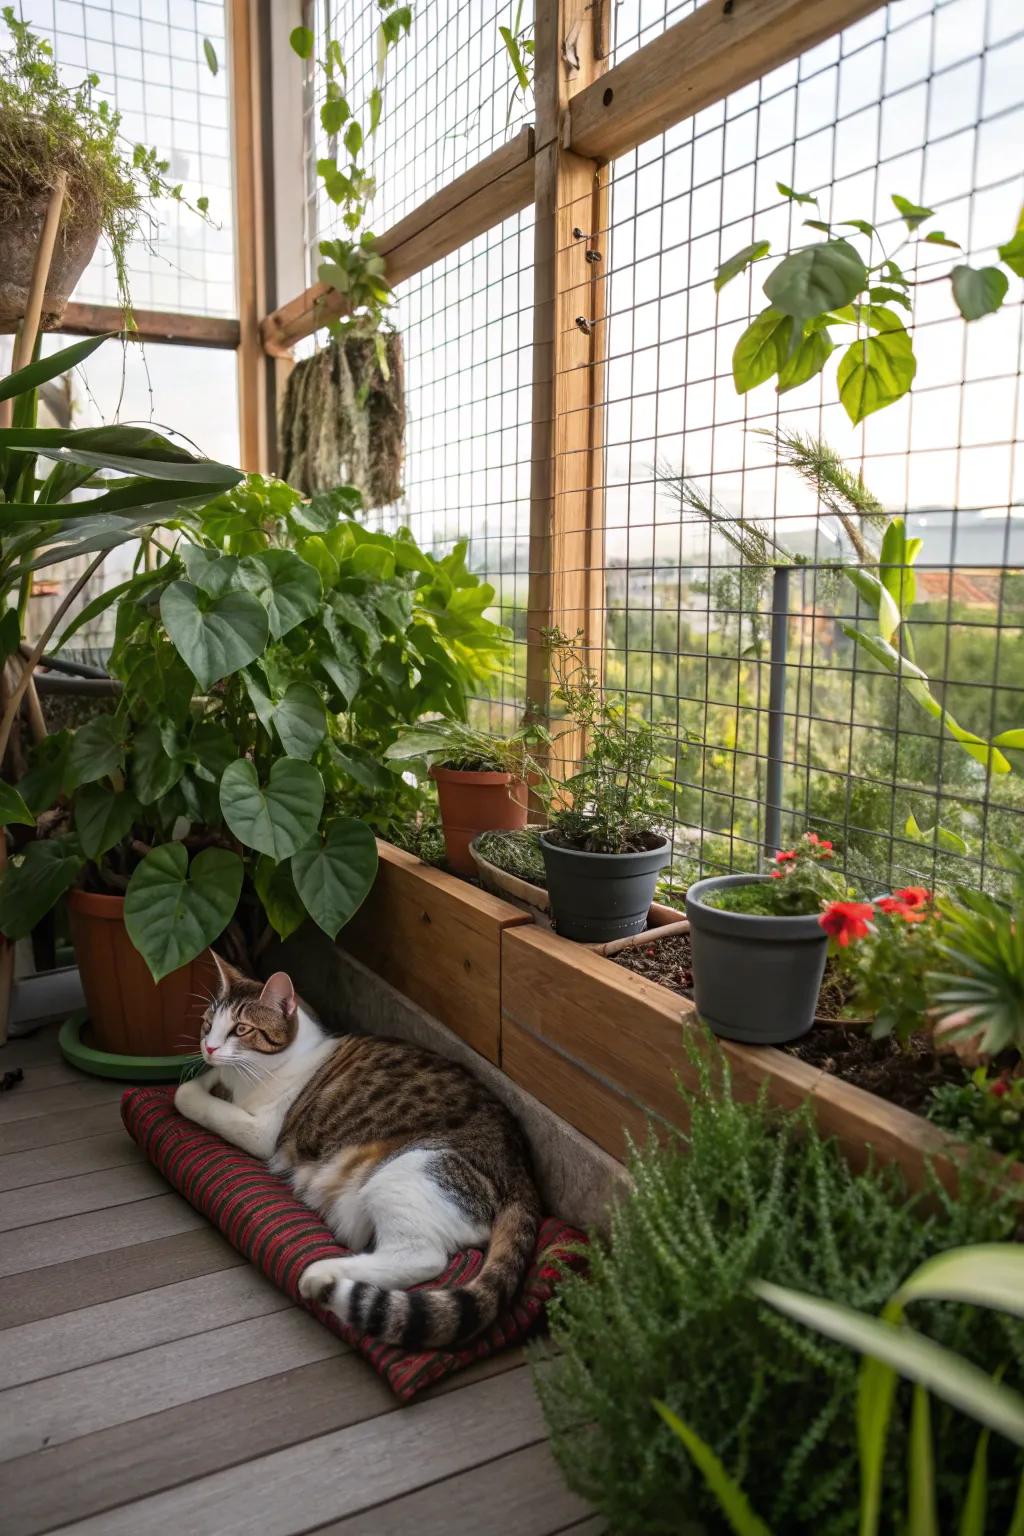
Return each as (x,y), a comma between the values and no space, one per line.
(260,1216)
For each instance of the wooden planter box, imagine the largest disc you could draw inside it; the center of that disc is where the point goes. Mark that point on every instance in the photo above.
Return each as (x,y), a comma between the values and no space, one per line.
(437,940)
(602,1046)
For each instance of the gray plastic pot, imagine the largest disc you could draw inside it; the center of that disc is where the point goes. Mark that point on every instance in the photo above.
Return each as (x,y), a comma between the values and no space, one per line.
(755,979)
(600,896)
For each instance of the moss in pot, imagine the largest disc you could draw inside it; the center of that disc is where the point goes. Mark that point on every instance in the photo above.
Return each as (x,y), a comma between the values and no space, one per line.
(483,781)
(603,850)
(759,948)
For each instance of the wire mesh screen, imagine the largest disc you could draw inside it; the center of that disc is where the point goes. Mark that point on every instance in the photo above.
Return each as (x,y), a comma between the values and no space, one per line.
(924,100)
(149,55)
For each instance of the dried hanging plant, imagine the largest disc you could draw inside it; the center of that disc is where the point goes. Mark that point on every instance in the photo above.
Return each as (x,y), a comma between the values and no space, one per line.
(343,420)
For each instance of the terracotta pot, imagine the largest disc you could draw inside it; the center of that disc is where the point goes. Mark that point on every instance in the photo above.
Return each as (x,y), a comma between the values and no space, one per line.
(19,241)
(129,1013)
(472,803)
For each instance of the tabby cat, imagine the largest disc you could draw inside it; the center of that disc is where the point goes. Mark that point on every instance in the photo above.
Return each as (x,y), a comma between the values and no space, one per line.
(403,1153)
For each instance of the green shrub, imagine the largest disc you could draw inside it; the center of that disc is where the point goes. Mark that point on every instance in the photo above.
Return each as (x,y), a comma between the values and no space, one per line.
(667,1312)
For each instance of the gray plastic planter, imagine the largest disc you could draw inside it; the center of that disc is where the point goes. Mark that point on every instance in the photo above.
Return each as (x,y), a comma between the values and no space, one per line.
(600,896)
(755,979)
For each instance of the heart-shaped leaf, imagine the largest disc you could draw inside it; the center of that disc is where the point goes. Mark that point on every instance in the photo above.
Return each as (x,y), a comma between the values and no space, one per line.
(978,291)
(47,775)
(278,818)
(298,717)
(334,875)
(287,586)
(339,658)
(210,749)
(34,881)
(13,808)
(214,635)
(97,748)
(154,770)
(172,912)
(811,281)
(103,816)
(276,890)
(208,569)
(762,350)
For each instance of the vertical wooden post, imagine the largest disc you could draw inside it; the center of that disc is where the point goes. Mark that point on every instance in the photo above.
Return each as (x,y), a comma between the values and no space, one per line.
(255,388)
(570,262)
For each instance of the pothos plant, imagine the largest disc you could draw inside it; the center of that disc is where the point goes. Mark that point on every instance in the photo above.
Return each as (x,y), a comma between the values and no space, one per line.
(835,283)
(352,266)
(265,665)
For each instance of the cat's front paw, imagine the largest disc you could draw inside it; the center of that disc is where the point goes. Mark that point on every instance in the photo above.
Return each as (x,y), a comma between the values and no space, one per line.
(189,1097)
(319,1281)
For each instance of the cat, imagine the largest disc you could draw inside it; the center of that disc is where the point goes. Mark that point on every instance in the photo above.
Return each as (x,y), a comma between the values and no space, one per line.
(405,1156)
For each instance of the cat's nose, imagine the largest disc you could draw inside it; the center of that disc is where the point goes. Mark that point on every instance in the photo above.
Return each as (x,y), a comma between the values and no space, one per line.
(211,1050)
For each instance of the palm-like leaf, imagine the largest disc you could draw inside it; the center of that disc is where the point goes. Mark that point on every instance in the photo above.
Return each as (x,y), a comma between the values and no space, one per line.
(982,944)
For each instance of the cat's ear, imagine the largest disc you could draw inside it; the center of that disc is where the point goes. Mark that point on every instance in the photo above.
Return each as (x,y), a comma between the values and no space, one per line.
(226,974)
(279,993)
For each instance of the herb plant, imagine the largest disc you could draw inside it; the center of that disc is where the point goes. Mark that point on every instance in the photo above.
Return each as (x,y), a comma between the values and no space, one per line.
(47,128)
(800,883)
(266,665)
(836,283)
(620,795)
(667,1312)
(517,853)
(455,744)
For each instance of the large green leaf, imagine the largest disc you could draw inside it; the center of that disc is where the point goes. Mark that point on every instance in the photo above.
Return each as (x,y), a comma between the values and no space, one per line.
(808,360)
(103,816)
(912,1355)
(359,617)
(34,881)
(334,874)
(338,657)
(276,890)
(288,587)
(978,291)
(158,497)
(211,747)
(97,749)
(762,350)
(279,817)
(209,570)
(13,810)
(298,717)
(173,912)
(46,368)
(47,775)
(875,371)
(1013,251)
(197,472)
(215,636)
(816,279)
(897,556)
(732,1501)
(980,1274)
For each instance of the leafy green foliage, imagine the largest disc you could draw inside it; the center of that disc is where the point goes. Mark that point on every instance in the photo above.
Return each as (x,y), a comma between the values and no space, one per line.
(34,880)
(518,42)
(47,127)
(979,970)
(276,818)
(799,885)
(887,968)
(622,791)
(173,909)
(333,874)
(667,1313)
(517,853)
(454,744)
(988,1107)
(831,283)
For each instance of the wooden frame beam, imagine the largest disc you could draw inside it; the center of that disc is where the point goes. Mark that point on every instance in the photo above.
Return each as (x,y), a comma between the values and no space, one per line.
(567,461)
(490,191)
(723,45)
(255,390)
(151,325)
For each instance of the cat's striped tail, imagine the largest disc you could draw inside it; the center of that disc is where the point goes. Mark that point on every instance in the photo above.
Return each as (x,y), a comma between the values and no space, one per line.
(447,1319)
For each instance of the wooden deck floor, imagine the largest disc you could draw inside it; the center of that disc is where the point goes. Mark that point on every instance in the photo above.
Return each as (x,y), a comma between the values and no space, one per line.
(152,1381)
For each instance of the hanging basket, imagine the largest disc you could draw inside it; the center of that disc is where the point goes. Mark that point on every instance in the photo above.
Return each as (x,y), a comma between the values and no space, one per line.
(343,420)
(20,234)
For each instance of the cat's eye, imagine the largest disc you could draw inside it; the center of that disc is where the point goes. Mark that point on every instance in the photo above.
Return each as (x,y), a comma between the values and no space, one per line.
(243,1029)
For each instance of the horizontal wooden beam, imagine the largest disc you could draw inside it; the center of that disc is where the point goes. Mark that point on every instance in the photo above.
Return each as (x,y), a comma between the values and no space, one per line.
(151,325)
(723,45)
(490,191)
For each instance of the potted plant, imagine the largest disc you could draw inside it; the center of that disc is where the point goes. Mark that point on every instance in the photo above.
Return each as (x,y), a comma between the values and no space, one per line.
(759,947)
(602,849)
(483,781)
(264,667)
(49,132)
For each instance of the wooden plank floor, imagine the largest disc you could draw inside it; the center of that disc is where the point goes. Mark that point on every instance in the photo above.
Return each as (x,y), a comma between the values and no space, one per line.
(152,1380)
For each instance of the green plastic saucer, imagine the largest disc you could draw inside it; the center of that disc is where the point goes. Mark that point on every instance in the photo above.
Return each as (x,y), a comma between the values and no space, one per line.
(130,1069)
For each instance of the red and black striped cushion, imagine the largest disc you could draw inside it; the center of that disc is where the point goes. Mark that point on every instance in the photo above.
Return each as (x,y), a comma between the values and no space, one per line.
(260,1216)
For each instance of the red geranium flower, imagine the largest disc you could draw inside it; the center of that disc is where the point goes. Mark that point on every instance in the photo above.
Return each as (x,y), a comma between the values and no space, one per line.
(999,1087)
(914,896)
(786,856)
(846,920)
(777,874)
(819,842)
(895,907)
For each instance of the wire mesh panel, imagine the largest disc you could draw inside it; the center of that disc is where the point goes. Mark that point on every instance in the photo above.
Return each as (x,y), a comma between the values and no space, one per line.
(924,100)
(149,55)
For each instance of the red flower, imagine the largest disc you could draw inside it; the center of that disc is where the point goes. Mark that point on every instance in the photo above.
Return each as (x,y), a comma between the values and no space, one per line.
(914,896)
(777,874)
(786,857)
(999,1087)
(846,920)
(818,842)
(889,904)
